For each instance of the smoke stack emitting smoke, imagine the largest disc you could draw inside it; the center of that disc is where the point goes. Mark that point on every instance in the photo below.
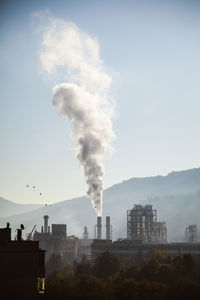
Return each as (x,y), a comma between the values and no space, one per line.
(83,100)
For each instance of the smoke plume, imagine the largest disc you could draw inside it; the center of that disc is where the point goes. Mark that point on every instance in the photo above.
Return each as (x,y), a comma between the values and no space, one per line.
(83,100)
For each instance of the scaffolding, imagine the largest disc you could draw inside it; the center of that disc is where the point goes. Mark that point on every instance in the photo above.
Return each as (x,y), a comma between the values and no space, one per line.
(85,233)
(161,232)
(141,223)
(191,233)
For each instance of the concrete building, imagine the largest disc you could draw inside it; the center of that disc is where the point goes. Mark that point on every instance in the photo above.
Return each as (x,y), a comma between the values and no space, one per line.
(22,270)
(53,241)
(56,241)
(125,248)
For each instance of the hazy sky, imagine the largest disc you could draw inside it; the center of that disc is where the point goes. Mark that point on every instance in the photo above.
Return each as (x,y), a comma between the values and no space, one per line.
(151,49)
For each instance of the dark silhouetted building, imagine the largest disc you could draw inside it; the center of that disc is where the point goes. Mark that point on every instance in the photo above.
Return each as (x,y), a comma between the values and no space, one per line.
(22,270)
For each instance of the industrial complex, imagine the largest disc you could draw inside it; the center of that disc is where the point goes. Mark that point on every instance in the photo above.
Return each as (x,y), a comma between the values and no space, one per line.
(26,258)
(144,234)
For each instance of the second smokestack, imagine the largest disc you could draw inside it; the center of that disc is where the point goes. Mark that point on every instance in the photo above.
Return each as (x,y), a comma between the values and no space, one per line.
(99,226)
(108,228)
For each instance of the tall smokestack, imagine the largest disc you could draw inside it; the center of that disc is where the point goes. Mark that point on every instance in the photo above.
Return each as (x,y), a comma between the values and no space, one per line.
(108,228)
(99,228)
(46,223)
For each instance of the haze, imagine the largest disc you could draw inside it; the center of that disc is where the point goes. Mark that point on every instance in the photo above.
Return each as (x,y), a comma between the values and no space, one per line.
(151,51)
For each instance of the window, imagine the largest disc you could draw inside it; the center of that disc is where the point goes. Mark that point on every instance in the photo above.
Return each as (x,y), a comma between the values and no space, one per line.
(41,285)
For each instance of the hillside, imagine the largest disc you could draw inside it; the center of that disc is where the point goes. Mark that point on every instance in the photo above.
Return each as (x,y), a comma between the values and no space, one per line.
(175,196)
(9,208)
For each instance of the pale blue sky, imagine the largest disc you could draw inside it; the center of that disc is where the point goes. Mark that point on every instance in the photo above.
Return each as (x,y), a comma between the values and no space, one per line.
(152,51)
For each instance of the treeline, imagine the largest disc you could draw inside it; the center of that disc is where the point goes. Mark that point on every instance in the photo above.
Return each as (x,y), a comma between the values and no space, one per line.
(157,278)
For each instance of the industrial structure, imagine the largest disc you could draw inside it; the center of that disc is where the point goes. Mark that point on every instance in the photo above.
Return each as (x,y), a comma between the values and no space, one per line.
(85,233)
(98,229)
(51,240)
(22,271)
(46,228)
(142,225)
(144,234)
(160,232)
(108,229)
(54,240)
(191,233)
(126,249)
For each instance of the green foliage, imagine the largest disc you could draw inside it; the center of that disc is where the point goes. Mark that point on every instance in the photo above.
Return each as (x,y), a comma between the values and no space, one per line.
(89,287)
(150,270)
(54,263)
(161,256)
(58,287)
(158,278)
(107,264)
(82,267)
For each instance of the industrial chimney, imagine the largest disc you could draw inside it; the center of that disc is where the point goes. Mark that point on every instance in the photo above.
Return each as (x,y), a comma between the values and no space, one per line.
(46,224)
(108,228)
(99,228)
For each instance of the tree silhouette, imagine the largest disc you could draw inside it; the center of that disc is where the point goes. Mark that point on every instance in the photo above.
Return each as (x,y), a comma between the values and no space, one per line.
(107,264)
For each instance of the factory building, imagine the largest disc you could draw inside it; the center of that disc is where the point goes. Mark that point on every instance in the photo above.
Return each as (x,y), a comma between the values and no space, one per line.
(142,225)
(191,233)
(144,234)
(51,240)
(54,240)
(59,230)
(125,248)
(22,270)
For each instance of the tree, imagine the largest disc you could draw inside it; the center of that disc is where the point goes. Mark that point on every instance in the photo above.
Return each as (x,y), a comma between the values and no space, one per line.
(54,263)
(82,267)
(161,256)
(58,287)
(107,264)
(88,287)
(150,270)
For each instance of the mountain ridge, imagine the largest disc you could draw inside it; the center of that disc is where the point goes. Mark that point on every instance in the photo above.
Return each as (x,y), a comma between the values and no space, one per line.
(9,208)
(176,197)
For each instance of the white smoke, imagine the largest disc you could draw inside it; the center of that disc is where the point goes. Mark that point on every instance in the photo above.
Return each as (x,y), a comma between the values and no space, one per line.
(83,100)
